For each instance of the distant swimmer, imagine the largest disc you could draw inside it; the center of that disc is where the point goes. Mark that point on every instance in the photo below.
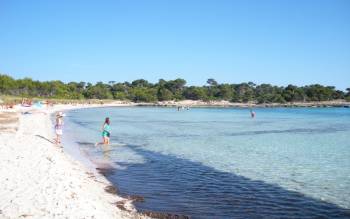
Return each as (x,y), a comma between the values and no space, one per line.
(252,113)
(106,132)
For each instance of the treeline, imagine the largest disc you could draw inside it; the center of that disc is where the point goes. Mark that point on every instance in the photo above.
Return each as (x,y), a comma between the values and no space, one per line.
(144,91)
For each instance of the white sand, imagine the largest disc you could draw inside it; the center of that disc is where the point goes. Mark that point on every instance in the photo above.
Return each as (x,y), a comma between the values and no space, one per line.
(37,180)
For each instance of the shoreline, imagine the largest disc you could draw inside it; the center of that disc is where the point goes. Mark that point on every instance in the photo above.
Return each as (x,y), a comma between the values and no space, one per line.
(198,103)
(192,103)
(39,180)
(105,168)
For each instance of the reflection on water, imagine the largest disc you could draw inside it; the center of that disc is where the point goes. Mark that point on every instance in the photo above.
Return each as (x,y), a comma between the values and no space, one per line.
(106,151)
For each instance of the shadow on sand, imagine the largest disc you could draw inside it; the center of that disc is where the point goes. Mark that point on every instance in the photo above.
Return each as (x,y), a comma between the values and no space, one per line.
(42,137)
(183,187)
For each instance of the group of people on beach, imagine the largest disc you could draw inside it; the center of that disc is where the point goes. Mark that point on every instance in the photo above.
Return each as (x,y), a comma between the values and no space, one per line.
(7,106)
(105,130)
(29,102)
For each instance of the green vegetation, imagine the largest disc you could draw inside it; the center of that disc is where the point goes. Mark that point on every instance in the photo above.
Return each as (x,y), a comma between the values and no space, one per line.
(144,91)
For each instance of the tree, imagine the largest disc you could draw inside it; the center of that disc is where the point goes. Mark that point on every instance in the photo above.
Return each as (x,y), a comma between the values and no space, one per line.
(120,91)
(141,83)
(81,85)
(175,85)
(195,93)
(161,82)
(226,92)
(111,83)
(348,91)
(142,90)
(25,87)
(142,94)
(7,84)
(317,92)
(99,91)
(267,93)
(164,94)
(212,82)
(244,93)
(251,84)
(347,95)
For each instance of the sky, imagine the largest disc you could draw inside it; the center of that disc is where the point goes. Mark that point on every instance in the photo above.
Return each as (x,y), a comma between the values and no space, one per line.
(279,42)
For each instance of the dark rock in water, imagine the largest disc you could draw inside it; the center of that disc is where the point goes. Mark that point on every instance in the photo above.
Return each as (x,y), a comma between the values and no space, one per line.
(136,198)
(164,215)
(105,171)
(121,206)
(111,189)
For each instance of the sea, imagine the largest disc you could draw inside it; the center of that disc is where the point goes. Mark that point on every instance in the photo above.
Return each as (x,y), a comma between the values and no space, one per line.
(221,162)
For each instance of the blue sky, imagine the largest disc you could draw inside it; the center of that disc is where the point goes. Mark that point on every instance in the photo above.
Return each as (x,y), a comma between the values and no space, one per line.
(273,41)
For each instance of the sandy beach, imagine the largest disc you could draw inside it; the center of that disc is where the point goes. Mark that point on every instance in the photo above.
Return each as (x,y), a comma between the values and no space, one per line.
(38,180)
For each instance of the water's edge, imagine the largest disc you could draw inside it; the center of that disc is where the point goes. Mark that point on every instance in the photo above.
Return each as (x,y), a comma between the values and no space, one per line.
(72,147)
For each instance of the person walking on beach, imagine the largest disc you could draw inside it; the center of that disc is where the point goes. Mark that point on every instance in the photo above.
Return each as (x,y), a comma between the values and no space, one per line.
(59,127)
(106,133)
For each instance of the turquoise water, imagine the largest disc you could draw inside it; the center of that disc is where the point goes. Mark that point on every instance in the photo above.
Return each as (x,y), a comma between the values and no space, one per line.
(197,161)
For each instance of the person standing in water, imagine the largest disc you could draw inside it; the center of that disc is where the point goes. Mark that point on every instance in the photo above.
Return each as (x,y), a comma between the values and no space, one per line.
(106,133)
(252,113)
(59,127)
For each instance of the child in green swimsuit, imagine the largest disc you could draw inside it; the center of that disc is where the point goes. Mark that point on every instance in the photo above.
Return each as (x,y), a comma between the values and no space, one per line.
(106,133)
(106,130)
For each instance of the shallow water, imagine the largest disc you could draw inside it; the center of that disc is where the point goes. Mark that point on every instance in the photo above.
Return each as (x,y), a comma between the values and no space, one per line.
(220,163)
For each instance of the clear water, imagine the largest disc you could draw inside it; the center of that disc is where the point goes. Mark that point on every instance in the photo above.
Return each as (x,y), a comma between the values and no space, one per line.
(220,163)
